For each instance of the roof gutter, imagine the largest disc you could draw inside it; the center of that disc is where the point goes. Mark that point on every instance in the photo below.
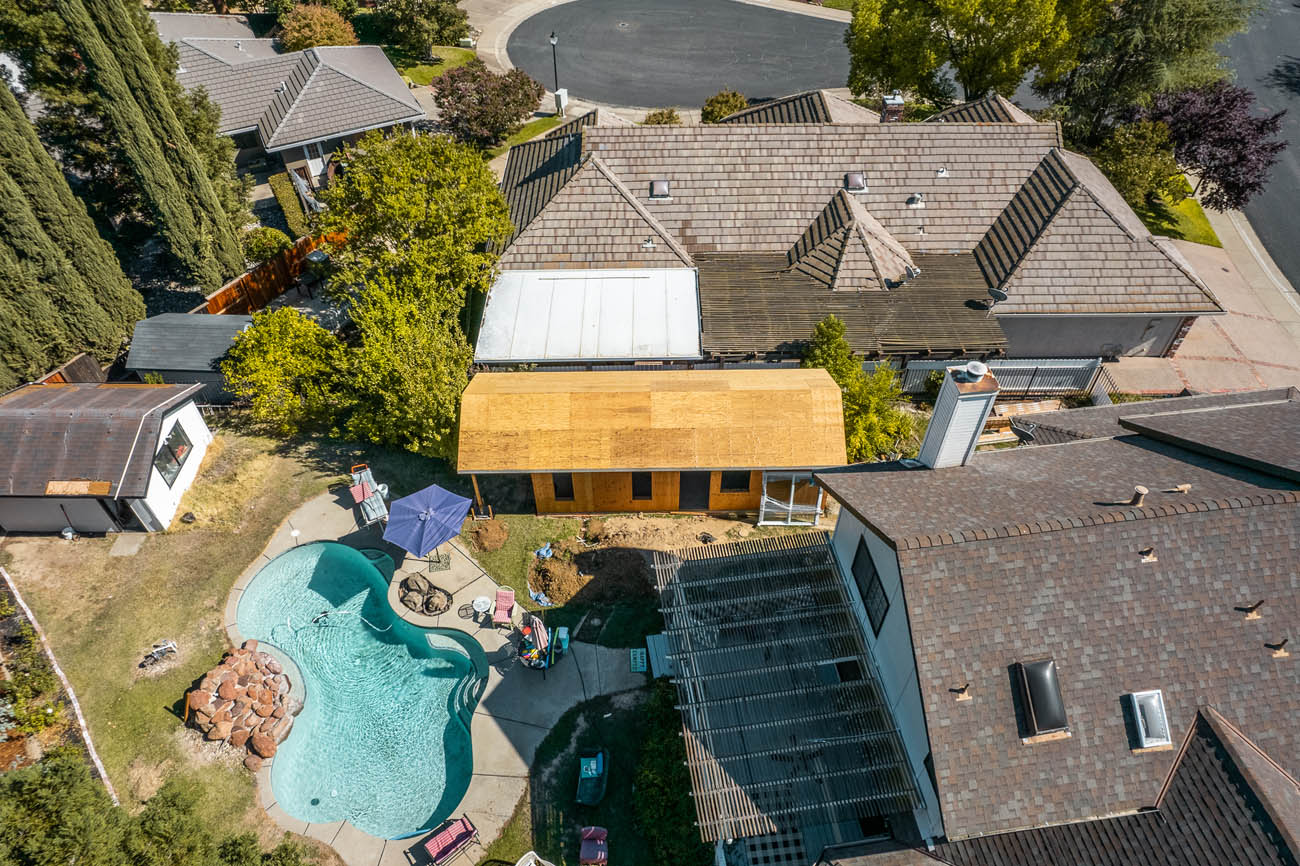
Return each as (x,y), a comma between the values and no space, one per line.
(126,464)
(306,141)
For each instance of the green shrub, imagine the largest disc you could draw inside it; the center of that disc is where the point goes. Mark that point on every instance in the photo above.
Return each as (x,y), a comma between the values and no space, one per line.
(287,196)
(264,243)
(663,816)
(663,117)
(722,104)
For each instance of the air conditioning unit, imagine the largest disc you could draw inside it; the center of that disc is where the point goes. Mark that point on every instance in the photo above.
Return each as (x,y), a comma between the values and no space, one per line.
(1149,717)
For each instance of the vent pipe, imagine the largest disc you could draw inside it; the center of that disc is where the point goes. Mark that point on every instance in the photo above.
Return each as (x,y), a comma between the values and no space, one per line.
(965,400)
(1139,494)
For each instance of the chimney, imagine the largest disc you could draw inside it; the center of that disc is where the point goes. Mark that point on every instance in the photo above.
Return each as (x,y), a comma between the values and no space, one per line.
(965,400)
(891,107)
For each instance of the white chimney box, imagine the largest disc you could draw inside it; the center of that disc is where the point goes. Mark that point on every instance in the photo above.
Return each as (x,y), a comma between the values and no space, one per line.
(965,400)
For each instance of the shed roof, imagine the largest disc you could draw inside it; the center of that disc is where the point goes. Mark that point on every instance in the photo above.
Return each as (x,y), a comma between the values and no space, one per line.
(620,314)
(650,420)
(101,436)
(183,341)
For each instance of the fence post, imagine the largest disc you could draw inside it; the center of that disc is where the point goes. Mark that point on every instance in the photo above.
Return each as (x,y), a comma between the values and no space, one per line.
(1032,377)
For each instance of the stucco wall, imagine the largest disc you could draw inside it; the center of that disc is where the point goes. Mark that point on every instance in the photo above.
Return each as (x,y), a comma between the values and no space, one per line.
(161,499)
(1087,336)
(892,652)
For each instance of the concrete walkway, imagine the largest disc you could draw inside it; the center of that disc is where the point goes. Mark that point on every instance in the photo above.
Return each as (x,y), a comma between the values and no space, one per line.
(1256,344)
(517,709)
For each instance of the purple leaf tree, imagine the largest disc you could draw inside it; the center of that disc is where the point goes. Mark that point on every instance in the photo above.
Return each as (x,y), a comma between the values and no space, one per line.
(1217,136)
(482,108)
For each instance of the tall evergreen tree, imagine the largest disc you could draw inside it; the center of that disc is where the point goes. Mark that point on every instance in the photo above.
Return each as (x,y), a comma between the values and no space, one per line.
(63,217)
(31,330)
(159,187)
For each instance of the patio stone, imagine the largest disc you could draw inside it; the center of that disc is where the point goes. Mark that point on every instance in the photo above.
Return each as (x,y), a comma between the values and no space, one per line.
(324,832)
(232,607)
(356,847)
(285,820)
(503,747)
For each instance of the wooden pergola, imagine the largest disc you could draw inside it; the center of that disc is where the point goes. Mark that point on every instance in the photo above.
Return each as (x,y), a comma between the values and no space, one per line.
(784,717)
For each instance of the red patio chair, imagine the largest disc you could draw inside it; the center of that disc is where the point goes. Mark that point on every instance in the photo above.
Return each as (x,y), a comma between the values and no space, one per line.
(451,837)
(505,608)
(595,847)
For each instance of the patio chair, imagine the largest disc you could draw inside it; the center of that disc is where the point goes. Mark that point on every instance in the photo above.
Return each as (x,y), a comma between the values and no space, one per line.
(503,614)
(368,495)
(595,847)
(451,837)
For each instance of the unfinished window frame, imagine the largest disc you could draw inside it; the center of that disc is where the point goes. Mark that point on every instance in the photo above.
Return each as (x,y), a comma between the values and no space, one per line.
(776,512)
(555,486)
(724,487)
(649,492)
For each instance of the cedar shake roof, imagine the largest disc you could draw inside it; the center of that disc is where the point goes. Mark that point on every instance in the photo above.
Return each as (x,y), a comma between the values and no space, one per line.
(1214,811)
(811,106)
(846,249)
(1034,552)
(595,117)
(597,223)
(99,437)
(650,420)
(993,108)
(1068,243)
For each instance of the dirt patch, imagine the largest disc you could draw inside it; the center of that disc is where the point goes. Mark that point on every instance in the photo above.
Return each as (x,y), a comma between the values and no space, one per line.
(671,533)
(489,535)
(13,754)
(146,779)
(602,575)
(232,478)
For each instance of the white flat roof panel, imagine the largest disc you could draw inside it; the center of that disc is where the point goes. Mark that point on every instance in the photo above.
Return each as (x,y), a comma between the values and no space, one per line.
(605,314)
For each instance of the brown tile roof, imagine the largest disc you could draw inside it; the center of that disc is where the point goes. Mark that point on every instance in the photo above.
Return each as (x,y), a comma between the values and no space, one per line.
(102,433)
(595,222)
(993,108)
(1027,552)
(1092,422)
(811,106)
(846,249)
(535,172)
(650,420)
(1067,243)
(595,117)
(756,304)
(1212,813)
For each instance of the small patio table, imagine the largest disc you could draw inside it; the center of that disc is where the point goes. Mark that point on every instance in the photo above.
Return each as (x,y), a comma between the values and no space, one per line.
(482,604)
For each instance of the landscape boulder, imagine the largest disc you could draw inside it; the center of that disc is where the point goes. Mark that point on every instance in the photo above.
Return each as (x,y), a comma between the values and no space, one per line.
(244,701)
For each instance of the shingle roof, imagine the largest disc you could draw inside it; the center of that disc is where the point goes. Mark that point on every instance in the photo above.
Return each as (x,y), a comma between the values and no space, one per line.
(181,341)
(300,96)
(1067,243)
(993,108)
(1264,436)
(175,26)
(811,106)
(1093,422)
(596,222)
(1033,552)
(845,248)
(1213,813)
(101,435)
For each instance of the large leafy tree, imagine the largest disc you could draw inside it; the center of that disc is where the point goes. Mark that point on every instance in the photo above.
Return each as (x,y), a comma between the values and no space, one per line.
(1134,49)
(482,108)
(875,423)
(288,368)
(989,44)
(1139,159)
(415,25)
(1217,135)
(422,210)
(309,25)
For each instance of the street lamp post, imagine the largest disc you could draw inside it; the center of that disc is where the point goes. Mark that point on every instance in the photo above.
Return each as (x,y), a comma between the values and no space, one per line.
(555,67)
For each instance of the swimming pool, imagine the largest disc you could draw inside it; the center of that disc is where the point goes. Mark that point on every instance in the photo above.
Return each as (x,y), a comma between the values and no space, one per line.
(383,737)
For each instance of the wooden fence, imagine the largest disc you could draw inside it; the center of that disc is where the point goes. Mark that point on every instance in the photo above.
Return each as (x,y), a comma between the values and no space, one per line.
(255,289)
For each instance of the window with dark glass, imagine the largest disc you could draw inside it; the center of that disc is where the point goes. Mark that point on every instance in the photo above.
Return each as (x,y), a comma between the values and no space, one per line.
(642,485)
(870,587)
(171,457)
(735,482)
(563,482)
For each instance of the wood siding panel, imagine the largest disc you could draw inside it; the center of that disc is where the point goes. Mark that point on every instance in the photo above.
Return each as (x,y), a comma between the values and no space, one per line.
(749,501)
(605,492)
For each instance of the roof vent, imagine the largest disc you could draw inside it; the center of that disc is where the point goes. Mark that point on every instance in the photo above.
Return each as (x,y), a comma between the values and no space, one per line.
(1148,554)
(1251,610)
(1149,716)
(648,244)
(1139,494)
(1041,691)
(973,371)
(659,189)
(912,271)
(916,199)
(942,171)
(855,181)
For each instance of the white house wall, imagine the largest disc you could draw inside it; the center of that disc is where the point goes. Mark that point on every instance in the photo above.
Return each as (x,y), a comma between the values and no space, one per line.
(161,499)
(892,652)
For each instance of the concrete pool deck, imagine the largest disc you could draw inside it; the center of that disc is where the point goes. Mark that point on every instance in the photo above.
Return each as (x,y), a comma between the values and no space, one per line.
(517,709)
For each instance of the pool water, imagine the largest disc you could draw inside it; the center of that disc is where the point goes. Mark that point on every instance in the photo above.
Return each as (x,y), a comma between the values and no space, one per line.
(383,737)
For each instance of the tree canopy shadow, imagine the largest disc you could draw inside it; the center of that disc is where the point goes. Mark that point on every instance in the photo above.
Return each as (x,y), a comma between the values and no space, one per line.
(1285,75)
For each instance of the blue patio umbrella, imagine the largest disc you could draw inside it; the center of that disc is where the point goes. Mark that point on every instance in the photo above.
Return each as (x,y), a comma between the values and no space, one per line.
(420,522)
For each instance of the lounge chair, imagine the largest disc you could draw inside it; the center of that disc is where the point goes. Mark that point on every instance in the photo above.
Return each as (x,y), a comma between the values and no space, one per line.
(595,847)
(451,837)
(503,615)
(368,495)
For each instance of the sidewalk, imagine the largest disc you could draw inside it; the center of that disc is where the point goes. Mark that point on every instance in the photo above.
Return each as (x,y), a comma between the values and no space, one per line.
(1255,344)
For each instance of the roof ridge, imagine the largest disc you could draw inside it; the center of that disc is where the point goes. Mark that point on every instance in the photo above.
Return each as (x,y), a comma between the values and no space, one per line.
(325,62)
(1062,168)
(190,40)
(1179,262)
(767,103)
(867,224)
(308,55)
(1038,527)
(654,223)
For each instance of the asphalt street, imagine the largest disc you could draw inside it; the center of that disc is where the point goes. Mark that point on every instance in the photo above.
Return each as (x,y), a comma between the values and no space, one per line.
(679,52)
(1267,61)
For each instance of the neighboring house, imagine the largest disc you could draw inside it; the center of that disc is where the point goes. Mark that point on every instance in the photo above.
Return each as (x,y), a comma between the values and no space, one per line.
(993,108)
(682,440)
(185,348)
(301,105)
(901,230)
(97,457)
(811,106)
(1086,648)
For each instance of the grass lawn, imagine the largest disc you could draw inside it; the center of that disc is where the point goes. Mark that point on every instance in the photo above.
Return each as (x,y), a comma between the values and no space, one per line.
(1184,221)
(647,786)
(528,132)
(421,70)
(846,5)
